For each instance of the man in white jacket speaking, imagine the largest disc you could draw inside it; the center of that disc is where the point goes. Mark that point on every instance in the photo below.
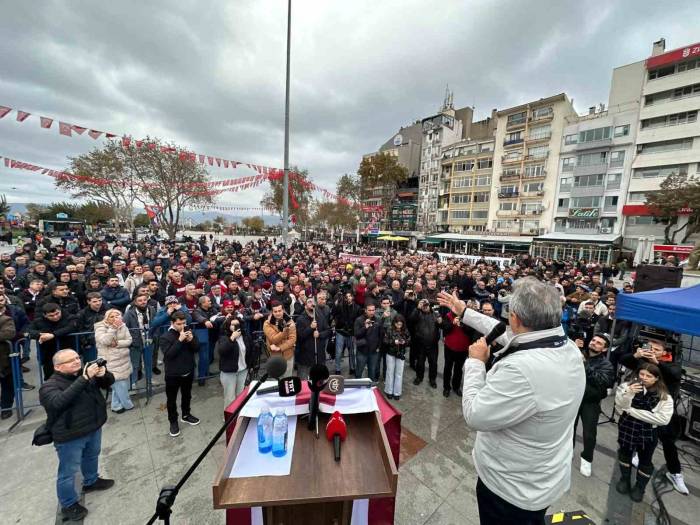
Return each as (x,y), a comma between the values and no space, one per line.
(524,408)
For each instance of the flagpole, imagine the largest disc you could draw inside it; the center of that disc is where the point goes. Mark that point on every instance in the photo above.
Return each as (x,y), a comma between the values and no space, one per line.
(285,189)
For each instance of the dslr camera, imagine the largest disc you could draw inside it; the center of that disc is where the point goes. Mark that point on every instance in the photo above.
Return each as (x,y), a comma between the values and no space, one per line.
(100,361)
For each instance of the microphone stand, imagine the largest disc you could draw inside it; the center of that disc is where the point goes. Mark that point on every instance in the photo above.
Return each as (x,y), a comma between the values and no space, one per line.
(166,498)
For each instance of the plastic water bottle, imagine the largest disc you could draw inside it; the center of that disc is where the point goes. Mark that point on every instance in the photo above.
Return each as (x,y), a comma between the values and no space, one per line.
(265,431)
(279,434)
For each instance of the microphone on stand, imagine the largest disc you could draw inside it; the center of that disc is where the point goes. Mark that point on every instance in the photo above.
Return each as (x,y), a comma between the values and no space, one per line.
(336,431)
(318,376)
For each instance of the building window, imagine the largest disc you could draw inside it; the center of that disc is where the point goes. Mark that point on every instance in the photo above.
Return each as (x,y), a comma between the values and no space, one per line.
(459,214)
(517,118)
(541,132)
(568,163)
(660,171)
(592,159)
(483,164)
(512,138)
(464,166)
(617,158)
(505,225)
(585,202)
(533,186)
(563,203)
(536,170)
(622,131)
(614,180)
(593,135)
(665,145)
(640,220)
(637,196)
(482,196)
(461,199)
(480,214)
(485,147)
(483,180)
(565,184)
(662,72)
(507,206)
(513,155)
(542,112)
(611,201)
(583,181)
(538,152)
(571,139)
(465,182)
(509,190)
(675,119)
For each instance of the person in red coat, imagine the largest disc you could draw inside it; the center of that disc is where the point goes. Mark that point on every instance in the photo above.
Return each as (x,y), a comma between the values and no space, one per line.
(458,337)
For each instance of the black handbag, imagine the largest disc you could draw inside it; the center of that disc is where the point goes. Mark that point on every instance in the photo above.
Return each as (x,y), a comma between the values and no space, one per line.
(42,435)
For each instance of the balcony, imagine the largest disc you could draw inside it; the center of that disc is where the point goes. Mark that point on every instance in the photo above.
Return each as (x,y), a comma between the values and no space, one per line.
(539,138)
(593,144)
(507,213)
(509,176)
(531,177)
(542,118)
(587,191)
(515,123)
(511,160)
(532,194)
(529,158)
(610,209)
(565,188)
(615,185)
(507,143)
(508,194)
(528,213)
(563,210)
(591,169)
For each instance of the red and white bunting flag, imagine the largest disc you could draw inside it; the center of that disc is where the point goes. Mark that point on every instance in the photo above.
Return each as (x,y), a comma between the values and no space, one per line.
(4,110)
(64,129)
(126,141)
(201,159)
(139,143)
(225,163)
(151,146)
(46,122)
(110,135)
(210,160)
(94,134)
(218,161)
(44,171)
(7,162)
(78,129)
(22,115)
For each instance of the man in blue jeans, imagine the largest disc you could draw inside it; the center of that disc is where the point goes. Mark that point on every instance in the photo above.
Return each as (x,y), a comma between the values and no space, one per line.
(76,410)
(345,312)
(368,337)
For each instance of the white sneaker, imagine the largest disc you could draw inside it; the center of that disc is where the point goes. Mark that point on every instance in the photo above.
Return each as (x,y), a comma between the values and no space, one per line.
(635,460)
(678,483)
(586,468)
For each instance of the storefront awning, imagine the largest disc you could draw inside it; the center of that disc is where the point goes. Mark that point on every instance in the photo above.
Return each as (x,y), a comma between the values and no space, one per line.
(603,238)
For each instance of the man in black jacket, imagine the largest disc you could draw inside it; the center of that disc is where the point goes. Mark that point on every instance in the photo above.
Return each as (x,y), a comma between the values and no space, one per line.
(59,293)
(312,330)
(344,314)
(426,334)
(76,411)
(672,373)
(368,337)
(52,331)
(600,375)
(179,346)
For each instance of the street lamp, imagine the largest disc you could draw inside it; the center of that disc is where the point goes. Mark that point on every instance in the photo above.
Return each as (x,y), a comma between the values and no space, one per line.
(285,197)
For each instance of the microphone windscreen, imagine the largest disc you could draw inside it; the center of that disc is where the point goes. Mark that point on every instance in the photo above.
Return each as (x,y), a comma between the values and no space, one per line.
(276,366)
(317,376)
(336,427)
(497,332)
(335,385)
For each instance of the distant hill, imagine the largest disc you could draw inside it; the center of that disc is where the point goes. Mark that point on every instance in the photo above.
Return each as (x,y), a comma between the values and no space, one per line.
(196,216)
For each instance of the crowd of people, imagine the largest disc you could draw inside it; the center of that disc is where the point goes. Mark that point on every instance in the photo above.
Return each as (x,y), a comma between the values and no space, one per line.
(242,303)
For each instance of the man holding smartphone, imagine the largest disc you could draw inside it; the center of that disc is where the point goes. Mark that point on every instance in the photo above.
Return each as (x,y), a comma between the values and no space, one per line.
(179,346)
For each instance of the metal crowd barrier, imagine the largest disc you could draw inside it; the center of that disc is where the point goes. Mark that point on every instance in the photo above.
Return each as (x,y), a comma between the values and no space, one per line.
(88,352)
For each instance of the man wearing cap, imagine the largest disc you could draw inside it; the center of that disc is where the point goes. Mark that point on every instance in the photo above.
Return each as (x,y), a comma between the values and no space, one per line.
(600,375)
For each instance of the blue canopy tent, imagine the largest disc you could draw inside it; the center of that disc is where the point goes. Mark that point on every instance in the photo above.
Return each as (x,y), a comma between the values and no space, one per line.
(675,309)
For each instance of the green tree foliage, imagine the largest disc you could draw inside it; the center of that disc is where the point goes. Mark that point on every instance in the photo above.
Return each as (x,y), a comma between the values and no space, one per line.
(254,224)
(677,192)
(4,207)
(273,198)
(381,170)
(142,221)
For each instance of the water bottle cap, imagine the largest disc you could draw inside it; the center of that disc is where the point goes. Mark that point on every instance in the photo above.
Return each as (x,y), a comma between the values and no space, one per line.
(279,412)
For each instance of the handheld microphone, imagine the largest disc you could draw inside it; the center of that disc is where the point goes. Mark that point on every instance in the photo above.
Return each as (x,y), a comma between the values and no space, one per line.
(318,375)
(495,333)
(288,386)
(336,431)
(335,385)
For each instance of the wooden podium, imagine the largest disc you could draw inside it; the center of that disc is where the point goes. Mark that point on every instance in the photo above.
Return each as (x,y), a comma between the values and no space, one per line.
(318,489)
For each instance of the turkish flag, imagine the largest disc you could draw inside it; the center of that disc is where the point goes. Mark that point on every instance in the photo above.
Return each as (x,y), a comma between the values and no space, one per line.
(65,129)
(46,122)
(225,163)
(94,134)
(4,110)
(218,161)
(22,116)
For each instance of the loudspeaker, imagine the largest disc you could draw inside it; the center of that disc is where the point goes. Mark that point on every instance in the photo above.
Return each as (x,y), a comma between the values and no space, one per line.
(692,429)
(655,277)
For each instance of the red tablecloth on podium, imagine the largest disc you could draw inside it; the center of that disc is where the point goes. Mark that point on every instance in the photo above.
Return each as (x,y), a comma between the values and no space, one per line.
(381,510)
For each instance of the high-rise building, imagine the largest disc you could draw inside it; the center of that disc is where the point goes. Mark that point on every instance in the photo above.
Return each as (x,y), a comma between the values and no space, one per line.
(668,136)
(387,206)
(439,131)
(467,173)
(527,144)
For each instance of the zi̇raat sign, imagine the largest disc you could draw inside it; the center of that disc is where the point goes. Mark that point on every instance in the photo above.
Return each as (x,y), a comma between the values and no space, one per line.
(584,213)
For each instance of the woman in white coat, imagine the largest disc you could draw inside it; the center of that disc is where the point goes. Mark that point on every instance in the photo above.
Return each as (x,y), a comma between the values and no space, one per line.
(113,339)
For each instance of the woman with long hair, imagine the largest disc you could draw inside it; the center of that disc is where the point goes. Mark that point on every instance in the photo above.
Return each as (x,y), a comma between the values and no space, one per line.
(113,340)
(236,352)
(646,405)
(397,340)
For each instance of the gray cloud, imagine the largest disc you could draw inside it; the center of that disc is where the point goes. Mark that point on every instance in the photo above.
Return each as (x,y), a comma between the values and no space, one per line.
(210,75)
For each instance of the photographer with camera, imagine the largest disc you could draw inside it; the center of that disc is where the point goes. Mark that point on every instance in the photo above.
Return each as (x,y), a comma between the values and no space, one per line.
(426,334)
(600,375)
(76,410)
(281,335)
(583,325)
(179,346)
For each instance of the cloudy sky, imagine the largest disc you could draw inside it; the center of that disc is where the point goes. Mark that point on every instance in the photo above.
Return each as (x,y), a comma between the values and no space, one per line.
(210,75)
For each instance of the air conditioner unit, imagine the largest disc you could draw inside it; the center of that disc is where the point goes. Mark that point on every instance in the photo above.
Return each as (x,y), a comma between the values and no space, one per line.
(606,230)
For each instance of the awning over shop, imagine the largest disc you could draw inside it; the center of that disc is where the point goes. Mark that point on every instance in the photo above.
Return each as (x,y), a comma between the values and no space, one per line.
(577,238)
(484,239)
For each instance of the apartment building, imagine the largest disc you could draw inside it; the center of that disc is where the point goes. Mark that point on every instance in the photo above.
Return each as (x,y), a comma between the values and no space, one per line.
(385,203)
(668,136)
(439,131)
(527,144)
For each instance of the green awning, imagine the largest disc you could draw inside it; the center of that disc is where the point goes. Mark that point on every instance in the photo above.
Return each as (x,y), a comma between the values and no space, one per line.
(432,241)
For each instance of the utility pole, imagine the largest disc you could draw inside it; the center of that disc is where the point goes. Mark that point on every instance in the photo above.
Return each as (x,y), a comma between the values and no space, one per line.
(285,189)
